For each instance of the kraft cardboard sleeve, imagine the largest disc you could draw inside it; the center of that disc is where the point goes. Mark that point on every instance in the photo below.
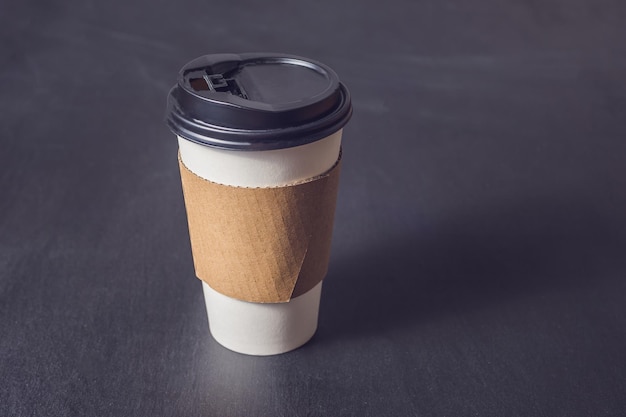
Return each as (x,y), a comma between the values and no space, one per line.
(263,245)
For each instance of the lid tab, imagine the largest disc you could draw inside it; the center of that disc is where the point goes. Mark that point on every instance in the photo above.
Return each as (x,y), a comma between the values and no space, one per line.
(217,83)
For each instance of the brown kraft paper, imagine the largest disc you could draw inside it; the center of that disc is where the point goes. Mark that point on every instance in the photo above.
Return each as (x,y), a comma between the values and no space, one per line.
(263,245)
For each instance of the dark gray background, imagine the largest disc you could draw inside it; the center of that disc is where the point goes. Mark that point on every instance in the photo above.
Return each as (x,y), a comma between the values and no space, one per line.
(478,263)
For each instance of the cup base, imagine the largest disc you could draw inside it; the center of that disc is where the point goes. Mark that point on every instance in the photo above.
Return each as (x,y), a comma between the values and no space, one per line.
(262,329)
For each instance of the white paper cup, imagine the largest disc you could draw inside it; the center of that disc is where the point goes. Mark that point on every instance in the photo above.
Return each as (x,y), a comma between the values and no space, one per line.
(261,328)
(259,120)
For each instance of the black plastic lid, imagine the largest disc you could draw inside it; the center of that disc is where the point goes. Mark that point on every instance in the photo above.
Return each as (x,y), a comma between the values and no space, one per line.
(257,101)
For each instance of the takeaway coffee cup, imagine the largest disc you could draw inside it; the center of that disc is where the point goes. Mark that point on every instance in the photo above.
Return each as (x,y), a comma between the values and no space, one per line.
(259,152)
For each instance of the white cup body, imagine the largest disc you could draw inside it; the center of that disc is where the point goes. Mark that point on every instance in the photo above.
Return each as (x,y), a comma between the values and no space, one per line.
(261,328)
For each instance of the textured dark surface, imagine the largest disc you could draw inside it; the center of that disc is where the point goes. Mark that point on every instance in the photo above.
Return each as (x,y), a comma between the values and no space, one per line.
(478,265)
